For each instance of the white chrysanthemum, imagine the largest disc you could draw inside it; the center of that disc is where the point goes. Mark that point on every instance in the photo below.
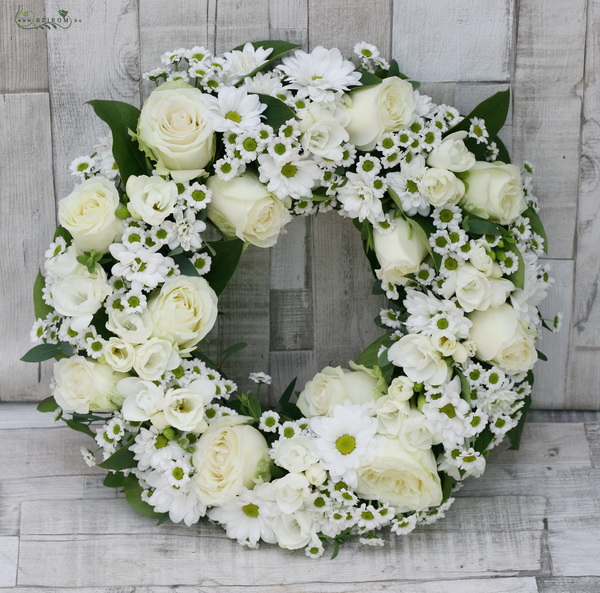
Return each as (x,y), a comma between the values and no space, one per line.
(140,266)
(186,230)
(241,63)
(294,177)
(361,197)
(407,185)
(260,378)
(152,449)
(233,109)
(320,74)
(346,438)
(202,263)
(266,83)
(269,421)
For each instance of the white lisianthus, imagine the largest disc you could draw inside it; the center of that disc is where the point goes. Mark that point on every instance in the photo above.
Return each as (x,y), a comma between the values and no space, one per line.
(134,328)
(474,290)
(449,346)
(229,456)
(84,386)
(479,257)
(335,385)
(323,131)
(184,311)
(316,474)
(119,355)
(291,492)
(452,154)
(88,213)
(407,480)
(243,207)
(495,192)
(63,265)
(295,530)
(154,357)
(401,389)
(184,407)
(386,107)
(441,186)
(80,295)
(151,199)
(500,338)
(419,358)
(399,252)
(143,400)
(295,454)
(174,132)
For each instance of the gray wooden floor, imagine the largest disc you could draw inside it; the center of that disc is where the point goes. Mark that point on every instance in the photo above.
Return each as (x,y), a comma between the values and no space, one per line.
(530,524)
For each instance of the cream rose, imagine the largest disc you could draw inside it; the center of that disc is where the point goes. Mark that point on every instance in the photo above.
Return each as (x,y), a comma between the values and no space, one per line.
(407,480)
(400,252)
(401,389)
(452,154)
(421,361)
(119,355)
(335,385)
(442,187)
(290,492)
(494,191)
(500,338)
(154,357)
(479,257)
(184,407)
(386,107)
(88,213)
(323,132)
(295,530)
(184,311)
(173,131)
(229,456)
(134,328)
(151,199)
(243,207)
(142,400)
(84,386)
(296,454)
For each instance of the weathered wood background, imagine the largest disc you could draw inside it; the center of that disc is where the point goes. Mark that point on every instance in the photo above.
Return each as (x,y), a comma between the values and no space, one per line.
(307,303)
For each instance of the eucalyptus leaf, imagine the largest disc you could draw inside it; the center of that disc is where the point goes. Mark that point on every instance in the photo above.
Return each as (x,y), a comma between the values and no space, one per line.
(79,427)
(133,494)
(514,435)
(47,405)
(493,110)
(277,112)
(536,225)
(186,267)
(42,352)
(40,307)
(369,357)
(122,458)
(225,260)
(479,226)
(231,350)
(518,277)
(287,394)
(367,79)
(116,480)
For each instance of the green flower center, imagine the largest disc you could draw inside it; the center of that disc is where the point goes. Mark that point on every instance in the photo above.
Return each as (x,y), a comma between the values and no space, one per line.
(234,116)
(178,473)
(250,510)
(288,170)
(346,444)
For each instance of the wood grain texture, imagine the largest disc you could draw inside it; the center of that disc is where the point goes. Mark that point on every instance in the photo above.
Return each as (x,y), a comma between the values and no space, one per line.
(422,27)
(288,20)
(568,585)
(575,546)
(592,431)
(238,22)
(27,207)
(285,366)
(9,554)
(291,320)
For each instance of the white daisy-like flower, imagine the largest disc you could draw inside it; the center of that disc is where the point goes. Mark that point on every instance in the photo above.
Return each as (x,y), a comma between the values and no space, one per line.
(174,76)
(478,131)
(198,53)
(138,265)
(320,74)
(202,263)
(173,57)
(88,457)
(241,63)
(38,331)
(260,378)
(82,166)
(178,472)
(315,549)
(294,177)
(266,83)
(152,449)
(233,109)
(269,421)
(227,168)
(197,196)
(492,152)
(403,525)
(389,318)
(56,248)
(361,197)
(366,50)
(345,439)
(186,230)
(406,183)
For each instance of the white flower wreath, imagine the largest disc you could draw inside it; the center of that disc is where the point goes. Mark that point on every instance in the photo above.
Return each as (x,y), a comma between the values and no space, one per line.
(246,142)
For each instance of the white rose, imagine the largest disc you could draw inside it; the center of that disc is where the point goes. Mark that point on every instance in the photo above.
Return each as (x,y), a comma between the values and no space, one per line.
(390,414)
(84,386)
(173,131)
(290,492)
(243,207)
(323,132)
(400,252)
(229,456)
(316,475)
(420,360)
(448,345)
(184,407)
(386,107)
(154,357)
(296,454)
(142,399)
(64,264)
(417,432)
(452,154)
(134,328)
(184,311)
(294,531)
(88,213)
(479,257)
(500,338)
(401,389)
(335,385)
(119,355)
(474,290)
(151,199)
(80,295)
(495,191)
(407,480)
(441,186)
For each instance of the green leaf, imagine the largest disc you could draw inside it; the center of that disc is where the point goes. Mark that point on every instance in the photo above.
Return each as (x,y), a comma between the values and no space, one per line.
(368,357)
(367,80)
(121,118)
(231,350)
(483,440)
(40,308)
(465,389)
(287,394)
(542,356)
(186,267)
(479,226)
(514,435)
(394,70)
(47,405)
(493,110)
(425,225)
(61,231)
(518,278)
(224,263)
(205,359)
(537,225)
(133,494)
(79,427)
(114,480)
(254,407)
(42,352)
(280,48)
(277,112)
(121,459)
(447,486)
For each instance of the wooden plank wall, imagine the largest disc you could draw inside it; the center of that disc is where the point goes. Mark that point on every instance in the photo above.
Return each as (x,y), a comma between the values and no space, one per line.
(307,303)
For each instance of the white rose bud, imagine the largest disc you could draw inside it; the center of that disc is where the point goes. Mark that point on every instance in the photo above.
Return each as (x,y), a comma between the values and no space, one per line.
(406,479)
(495,192)
(154,357)
(335,385)
(294,531)
(151,199)
(134,328)
(386,107)
(84,386)
(452,154)
(500,338)
(401,389)
(184,311)
(421,361)
(290,492)
(441,186)
(173,131)
(119,355)
(184,407)
(88,213)
(64,264)
(143,400)
(400,252)
(316,475)
(243,207)
(296,454)
(323,132)
(229,456)
(479,257)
